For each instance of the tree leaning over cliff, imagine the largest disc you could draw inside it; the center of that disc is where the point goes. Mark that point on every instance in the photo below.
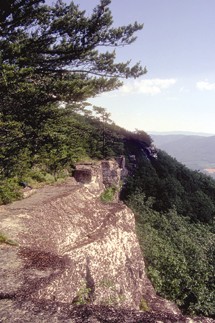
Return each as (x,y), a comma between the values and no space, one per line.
(53,53)
(50,54)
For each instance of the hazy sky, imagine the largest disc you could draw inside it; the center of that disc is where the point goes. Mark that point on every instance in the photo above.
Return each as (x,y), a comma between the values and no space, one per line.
(177,45)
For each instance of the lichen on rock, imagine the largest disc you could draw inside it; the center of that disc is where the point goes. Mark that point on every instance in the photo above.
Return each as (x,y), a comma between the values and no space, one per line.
(73,250)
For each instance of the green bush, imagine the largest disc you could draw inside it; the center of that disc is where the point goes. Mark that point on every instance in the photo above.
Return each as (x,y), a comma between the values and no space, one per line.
(83,295)
(179,256)
(108,195)
(9,190)
(36,176)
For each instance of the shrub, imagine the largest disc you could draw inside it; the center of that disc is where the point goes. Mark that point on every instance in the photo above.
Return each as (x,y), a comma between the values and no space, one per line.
(143,305)
(9,190)
(82,297)
(4,239)
(108,195)
(37,176)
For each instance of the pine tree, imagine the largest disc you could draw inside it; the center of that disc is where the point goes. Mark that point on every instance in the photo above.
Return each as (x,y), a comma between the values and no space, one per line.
(52,53)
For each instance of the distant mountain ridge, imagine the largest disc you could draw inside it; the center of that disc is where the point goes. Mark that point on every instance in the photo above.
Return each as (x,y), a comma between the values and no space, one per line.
(185,133)
(196,152)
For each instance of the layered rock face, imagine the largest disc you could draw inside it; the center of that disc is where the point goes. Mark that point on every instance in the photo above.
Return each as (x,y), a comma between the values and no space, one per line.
(71,250)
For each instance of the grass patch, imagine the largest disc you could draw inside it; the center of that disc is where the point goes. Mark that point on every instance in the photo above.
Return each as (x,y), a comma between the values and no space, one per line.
(5,239)
(108,195)
(143,305)
(83,295)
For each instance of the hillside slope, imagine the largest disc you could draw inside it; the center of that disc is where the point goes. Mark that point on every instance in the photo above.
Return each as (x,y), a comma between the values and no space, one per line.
(196,152)
(175,211)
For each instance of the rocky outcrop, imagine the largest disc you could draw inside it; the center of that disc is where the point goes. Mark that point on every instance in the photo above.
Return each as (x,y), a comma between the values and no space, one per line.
(76,259)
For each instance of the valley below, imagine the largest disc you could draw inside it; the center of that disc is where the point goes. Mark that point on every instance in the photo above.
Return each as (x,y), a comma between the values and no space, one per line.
(195,151)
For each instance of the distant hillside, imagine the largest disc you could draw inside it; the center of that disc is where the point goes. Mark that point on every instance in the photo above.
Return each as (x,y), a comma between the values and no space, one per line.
(196,152)
(187,133)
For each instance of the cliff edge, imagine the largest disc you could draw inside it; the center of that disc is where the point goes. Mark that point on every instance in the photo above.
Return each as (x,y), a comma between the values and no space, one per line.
(75,258)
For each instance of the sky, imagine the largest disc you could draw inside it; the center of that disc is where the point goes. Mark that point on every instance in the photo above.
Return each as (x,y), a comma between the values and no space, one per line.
(177,46)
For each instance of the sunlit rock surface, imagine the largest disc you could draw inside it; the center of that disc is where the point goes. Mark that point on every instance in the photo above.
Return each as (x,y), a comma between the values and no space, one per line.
(76,259)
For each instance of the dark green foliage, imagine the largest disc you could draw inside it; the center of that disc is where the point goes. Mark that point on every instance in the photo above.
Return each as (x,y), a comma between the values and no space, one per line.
(172,184)
(175,210)
(107,140)
(9,190)
(52,140)
(50,54)
(14,153)
(108,194)
(179,256)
